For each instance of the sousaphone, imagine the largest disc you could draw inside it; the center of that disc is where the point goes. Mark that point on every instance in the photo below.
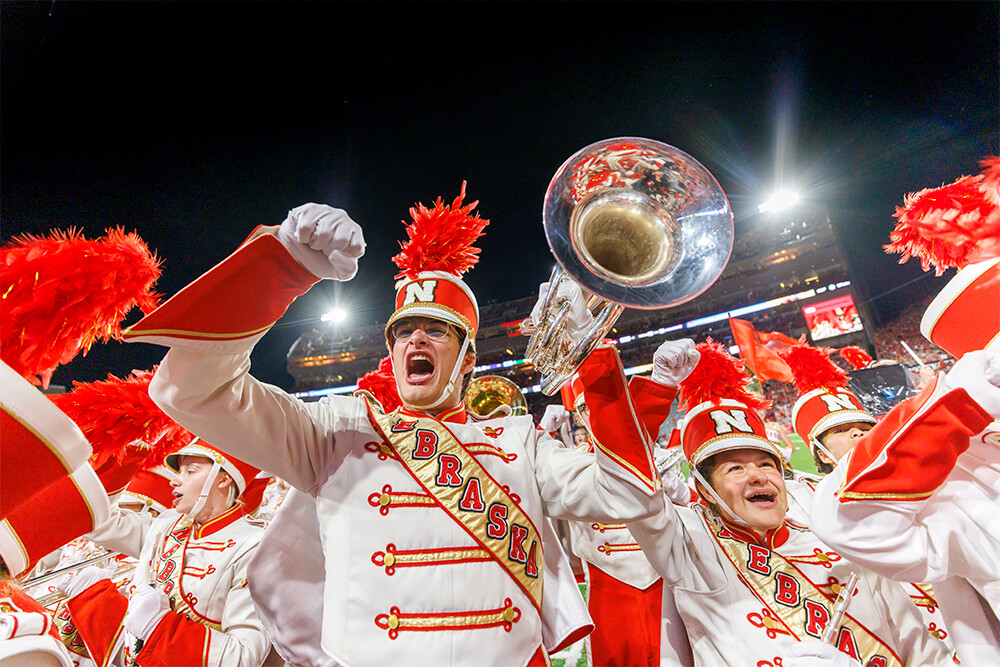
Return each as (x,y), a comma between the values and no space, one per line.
(636,223)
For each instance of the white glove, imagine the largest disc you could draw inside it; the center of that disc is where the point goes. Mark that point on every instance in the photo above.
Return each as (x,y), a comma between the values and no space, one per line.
(146,608)
(673,361)
(553,418)
(579,317)
(82,580)
(324,240)
(676,489)
(979,374)
(814,653)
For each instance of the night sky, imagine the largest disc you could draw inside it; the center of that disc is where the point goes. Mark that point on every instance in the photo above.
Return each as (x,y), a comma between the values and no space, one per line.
(193,122)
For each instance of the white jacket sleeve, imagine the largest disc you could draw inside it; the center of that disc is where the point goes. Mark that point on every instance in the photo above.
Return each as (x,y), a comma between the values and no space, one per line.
(124,532)
(215,397)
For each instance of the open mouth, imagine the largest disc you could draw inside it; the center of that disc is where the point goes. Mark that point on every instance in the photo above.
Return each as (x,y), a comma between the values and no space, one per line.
(763,499)
(419,368)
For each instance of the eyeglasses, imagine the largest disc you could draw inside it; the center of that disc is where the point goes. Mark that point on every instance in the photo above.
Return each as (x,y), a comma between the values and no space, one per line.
(433,329)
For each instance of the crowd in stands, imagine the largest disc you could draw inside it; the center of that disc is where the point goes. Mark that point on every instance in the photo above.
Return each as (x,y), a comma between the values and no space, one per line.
(639,351)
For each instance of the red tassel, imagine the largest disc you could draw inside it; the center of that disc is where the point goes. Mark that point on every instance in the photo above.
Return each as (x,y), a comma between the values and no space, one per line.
(63,292)
(855,356)
(953,225)
(812,368)
(441,239)
(718,375)
(381,384)
(118,417)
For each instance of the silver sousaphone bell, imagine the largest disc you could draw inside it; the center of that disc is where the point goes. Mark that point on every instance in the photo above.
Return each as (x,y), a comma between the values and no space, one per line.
(636,223)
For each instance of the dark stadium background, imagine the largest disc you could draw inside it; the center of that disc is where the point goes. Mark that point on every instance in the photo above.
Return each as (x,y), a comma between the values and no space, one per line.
(194,122)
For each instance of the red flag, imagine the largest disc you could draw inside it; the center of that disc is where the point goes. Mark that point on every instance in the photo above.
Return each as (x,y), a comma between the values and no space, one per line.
(758,349)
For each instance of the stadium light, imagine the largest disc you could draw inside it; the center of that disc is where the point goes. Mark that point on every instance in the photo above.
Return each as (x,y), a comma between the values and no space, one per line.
(335,316)
(778,201)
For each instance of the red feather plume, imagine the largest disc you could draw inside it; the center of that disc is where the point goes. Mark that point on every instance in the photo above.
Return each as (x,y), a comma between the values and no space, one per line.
(718,375)
(381,384)
(812,368)
(441,238)
(855,356)
(114,414)
(62,293)
(953,225)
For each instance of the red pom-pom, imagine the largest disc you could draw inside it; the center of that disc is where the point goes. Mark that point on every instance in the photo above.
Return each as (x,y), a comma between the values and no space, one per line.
(381,384)
(718,375)
(441,239)
(118,417)
(812,368)
(953,225)
(63,292)
(855,356)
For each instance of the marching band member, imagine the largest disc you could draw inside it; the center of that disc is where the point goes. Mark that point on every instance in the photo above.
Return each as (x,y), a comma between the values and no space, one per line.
(751,586)
(430,520)
(918,497)
(188,601)
(832,420)
(827,415)
(635,619)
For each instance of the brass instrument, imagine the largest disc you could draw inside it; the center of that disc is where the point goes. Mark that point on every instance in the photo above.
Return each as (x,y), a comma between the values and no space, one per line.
(488,392)
(50,600)
(635,223)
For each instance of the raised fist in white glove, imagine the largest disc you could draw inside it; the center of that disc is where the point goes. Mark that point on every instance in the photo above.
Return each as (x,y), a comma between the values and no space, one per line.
(579,317)
(814,653)
(979,374)
(553,418)
(673,361)
(82,580)
(324,240)
(146,608)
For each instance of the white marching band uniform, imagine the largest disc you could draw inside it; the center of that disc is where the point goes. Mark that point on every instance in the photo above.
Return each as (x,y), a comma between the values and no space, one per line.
(203,572)
(918,500)
(733,619)
(404,580)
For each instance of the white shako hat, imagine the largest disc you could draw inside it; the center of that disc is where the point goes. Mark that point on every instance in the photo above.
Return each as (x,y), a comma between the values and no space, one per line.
(439,251)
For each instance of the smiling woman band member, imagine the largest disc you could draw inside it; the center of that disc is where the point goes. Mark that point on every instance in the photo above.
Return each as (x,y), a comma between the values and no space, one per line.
(752,587)
(188,602)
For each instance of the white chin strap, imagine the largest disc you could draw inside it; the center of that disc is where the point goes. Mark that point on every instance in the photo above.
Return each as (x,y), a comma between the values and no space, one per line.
(205,490)
(450,387)
(731,515)
(819,445)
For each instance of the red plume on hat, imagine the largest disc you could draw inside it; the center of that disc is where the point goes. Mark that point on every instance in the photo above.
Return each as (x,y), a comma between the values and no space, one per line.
(718,375)
(432,262)
(720,384)
(381,384)
(62,293)
(951,226)
(813,369)
(115,415)
(441,238)
(855,356)
(824,400)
